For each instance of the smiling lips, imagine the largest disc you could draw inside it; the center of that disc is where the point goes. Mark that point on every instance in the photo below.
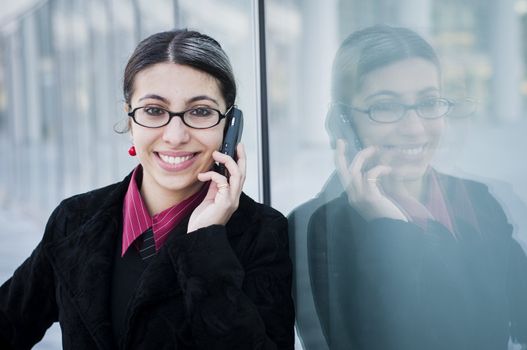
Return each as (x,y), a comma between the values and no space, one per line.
(176,162)
(408,150)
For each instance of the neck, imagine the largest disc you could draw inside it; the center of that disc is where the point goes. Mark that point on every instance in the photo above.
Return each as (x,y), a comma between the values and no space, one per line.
(157,199)
(415,187)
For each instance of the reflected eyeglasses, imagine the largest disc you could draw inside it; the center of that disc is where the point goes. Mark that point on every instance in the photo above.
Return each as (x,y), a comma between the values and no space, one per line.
(391,112)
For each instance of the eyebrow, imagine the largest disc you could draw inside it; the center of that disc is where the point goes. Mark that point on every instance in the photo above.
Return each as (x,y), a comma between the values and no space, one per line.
(381,93)
(427,90)
(190,100)
(154,97)
(202,97)
(394,94)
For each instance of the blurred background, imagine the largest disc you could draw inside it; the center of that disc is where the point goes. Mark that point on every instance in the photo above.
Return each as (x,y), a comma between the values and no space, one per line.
(61,66)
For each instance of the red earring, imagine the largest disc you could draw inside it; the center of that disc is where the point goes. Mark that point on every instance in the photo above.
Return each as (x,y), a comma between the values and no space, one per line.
(131,151)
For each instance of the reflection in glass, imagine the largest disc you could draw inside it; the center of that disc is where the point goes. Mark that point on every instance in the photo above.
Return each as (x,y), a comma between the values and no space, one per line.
(406,257)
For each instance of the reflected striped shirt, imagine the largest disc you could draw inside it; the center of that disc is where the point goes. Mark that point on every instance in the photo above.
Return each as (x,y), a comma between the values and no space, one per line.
(137,220)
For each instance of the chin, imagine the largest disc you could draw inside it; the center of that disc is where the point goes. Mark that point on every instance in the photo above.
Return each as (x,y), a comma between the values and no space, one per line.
(175,183)
(408,173)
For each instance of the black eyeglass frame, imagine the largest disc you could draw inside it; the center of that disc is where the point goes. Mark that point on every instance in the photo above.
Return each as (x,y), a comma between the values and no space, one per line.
(180,115)
(406,108)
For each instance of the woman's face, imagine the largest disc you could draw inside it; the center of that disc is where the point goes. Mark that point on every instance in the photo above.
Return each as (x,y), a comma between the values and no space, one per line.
(172,156)
(407,145)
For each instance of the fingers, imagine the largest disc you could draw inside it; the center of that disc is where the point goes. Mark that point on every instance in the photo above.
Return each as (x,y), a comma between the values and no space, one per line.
(361,178)
(239,168)
(219,189)
(372,177)
(242,159)
(354,171)
(215,177)
(236,170)
(357,166)
(375,173)
(232,187)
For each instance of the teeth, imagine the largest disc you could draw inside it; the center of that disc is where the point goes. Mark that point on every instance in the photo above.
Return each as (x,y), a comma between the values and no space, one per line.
(174,160)
(412,151)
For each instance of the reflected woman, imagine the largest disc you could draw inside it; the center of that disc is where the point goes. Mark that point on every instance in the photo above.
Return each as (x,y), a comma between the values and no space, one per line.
(407,257)
(175,256)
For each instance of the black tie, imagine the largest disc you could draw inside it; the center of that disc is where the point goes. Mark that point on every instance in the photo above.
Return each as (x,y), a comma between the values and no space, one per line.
(148,245)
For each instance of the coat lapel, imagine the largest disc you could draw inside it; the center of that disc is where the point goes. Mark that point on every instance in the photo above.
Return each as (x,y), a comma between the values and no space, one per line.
(83,261)
(160,279)
(83,265)
(460,206)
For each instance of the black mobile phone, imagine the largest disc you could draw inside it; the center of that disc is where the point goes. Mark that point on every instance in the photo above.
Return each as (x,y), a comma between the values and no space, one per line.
(340,126)
(231,136)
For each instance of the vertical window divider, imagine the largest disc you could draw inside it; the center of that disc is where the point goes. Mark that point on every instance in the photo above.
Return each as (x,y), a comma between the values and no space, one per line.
(261,81)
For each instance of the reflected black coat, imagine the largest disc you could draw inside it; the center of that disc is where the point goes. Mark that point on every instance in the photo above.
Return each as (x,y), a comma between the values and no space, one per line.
(389,284)
(217,288)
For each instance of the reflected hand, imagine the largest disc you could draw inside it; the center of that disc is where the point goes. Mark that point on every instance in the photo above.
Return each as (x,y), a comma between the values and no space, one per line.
(223,196)
(362,185)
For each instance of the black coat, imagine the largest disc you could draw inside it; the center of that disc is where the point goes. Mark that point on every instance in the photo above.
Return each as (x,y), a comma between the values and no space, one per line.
(220,287)
(389,284)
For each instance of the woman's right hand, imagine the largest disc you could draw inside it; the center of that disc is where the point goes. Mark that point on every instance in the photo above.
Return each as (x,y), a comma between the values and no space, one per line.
(223,196)
(362,184)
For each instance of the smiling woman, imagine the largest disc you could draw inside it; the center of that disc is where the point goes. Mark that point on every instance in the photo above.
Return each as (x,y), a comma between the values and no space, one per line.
(175,148)
(175,254)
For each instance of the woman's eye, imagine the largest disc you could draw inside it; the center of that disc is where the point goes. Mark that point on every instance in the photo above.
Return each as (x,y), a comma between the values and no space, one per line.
(201,112)
(386,106)
(154,111)
(431,103)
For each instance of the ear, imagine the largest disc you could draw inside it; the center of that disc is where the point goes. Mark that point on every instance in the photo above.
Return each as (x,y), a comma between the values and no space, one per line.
(127,108)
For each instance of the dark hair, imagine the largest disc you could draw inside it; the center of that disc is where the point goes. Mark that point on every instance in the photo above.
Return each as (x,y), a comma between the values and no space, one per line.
(372,48)
(184,47)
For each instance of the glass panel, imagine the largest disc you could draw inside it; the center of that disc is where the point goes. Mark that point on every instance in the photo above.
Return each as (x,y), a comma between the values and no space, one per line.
(419,242)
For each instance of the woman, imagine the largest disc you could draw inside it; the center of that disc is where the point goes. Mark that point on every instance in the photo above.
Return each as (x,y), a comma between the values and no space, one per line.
(407,257)
(175,255)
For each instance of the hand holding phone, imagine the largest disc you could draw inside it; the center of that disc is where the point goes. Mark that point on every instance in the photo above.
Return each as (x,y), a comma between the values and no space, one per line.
(226,181)
(362,183)
(223,194)
(358,168)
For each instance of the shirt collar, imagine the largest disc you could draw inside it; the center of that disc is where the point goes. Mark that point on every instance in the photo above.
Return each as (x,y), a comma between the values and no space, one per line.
(434,206)
(436,203)
(137,219)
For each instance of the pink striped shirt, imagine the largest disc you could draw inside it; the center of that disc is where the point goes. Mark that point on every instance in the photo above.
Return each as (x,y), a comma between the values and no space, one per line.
(137,220)
(434,207)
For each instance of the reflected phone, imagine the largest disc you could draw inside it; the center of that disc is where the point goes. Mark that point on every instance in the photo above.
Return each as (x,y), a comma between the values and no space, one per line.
(340,126)
(231,136)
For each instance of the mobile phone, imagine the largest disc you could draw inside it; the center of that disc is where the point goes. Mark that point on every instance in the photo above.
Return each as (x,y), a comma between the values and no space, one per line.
(231,136)
(340,126)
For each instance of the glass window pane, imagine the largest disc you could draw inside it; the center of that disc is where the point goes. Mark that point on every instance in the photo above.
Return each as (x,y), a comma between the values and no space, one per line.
(401,232)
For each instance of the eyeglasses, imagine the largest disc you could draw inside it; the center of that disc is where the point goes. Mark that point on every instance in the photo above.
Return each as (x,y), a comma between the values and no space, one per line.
(196,118)
(391,112)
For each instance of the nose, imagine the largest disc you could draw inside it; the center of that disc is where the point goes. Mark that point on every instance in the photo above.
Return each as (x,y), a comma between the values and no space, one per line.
(411,123)
(176,132)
